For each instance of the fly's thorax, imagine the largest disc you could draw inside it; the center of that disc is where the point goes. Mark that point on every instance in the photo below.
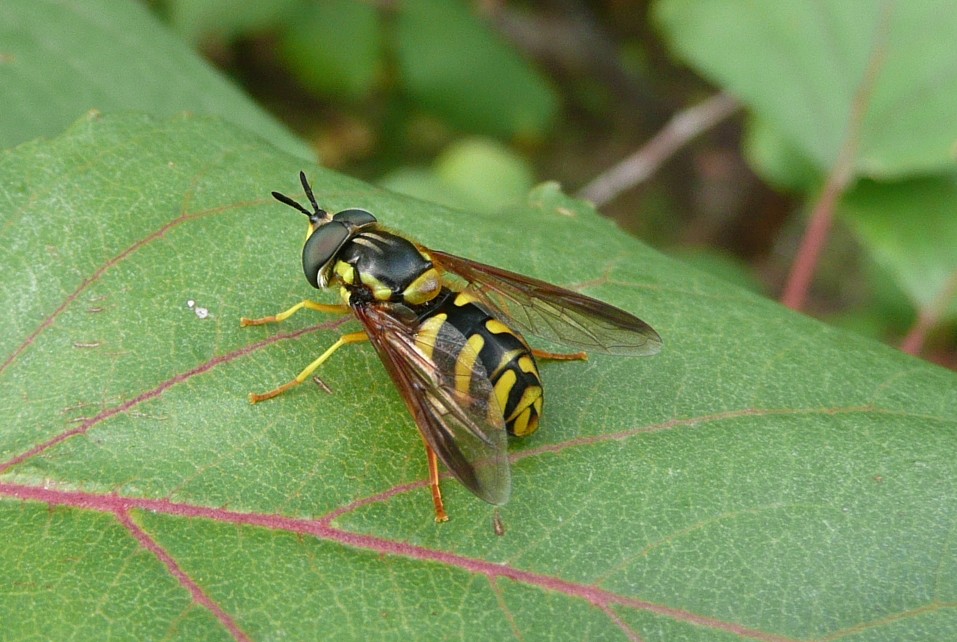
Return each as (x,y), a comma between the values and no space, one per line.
(380,266)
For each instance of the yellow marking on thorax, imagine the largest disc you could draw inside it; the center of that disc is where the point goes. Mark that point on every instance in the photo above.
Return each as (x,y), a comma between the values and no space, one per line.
(346,272)
(380,291)
(424,288)
(365,242)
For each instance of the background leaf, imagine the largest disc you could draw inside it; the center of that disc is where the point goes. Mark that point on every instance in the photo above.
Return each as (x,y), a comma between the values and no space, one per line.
(911,229)
(443,52)
(764,476)
(476,174)
(335,47)
(801,65)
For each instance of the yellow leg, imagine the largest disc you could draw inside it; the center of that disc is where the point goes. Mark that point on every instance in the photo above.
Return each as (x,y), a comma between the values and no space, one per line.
(557,356)
(440,514)
(352,337)
(282,316)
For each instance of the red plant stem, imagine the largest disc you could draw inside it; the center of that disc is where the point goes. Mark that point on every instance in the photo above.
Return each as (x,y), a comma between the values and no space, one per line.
(842,173)
(802,270)
(929,316)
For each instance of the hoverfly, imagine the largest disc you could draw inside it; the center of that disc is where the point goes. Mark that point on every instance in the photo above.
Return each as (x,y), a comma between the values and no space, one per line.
(447,330)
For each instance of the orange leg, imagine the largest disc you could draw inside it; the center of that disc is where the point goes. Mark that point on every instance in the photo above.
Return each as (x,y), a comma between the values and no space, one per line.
(440,514)
(557,356)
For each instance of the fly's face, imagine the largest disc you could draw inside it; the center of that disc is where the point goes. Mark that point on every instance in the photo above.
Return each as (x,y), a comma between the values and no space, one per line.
(327,234)
(327,239)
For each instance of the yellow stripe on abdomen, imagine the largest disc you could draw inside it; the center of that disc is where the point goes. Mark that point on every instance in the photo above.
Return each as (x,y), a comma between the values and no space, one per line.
(428,333)
(503,387)
(465,363)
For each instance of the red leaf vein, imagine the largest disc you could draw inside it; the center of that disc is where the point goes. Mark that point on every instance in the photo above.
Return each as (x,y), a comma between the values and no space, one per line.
(197,593)
(600,598)
(155,392)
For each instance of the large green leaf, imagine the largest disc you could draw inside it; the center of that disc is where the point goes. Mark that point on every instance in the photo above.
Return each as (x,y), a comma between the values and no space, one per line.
(879,78)
(62,58)
(765,476)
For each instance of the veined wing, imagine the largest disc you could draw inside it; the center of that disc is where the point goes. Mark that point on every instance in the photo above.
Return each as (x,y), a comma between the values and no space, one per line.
(465,429)
(553,312)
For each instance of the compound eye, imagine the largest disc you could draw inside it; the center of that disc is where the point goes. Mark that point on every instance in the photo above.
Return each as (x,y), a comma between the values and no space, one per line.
(320,251)
(355,218)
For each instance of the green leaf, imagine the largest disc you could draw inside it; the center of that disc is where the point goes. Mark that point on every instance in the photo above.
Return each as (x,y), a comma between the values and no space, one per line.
(777,161)
(59,60)
(195,20)
(765,476)
(878,76)
(335,47)
(453,65)
(910,228)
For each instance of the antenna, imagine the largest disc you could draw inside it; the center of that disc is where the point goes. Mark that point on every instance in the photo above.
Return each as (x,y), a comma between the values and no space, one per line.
(317,215)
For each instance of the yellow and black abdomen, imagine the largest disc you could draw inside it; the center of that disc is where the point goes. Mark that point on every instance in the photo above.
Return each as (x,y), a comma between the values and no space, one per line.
(501,354)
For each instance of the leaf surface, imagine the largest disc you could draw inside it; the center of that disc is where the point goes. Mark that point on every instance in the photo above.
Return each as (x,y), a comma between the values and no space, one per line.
(764,477)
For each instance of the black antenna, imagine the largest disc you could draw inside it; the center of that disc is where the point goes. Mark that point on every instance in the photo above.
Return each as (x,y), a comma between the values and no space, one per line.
(317,215)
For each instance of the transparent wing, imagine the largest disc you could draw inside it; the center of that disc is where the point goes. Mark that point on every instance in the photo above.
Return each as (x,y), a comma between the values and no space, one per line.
(552,312)
(465,429)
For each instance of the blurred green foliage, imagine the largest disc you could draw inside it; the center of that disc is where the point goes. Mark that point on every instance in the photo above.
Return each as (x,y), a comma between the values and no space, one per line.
(470,103)
(472,173)
(447,59)
(872,86)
